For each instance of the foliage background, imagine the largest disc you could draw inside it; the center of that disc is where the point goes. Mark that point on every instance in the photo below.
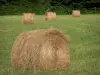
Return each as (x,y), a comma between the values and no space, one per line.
(18,7)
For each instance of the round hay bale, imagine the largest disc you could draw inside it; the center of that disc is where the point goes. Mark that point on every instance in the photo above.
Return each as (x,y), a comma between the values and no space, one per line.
(50,16)
(76,13)
(46,16)
(28,18)
(41,50)
(54,15)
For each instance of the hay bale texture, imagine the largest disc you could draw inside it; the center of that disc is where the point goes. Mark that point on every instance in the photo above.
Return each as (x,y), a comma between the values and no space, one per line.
(41,50)
(50,16)
(76,13)
(28,18)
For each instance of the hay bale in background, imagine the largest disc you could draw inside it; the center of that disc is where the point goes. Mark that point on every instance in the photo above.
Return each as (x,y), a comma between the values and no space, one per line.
(76,13)
(41,50)
(54,15)
(28,18)
(50,16)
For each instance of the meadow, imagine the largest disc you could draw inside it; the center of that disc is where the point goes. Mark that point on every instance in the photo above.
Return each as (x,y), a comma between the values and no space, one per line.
(84,44)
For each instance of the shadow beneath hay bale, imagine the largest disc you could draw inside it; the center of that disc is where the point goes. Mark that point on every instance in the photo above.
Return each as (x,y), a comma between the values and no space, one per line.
(41,50)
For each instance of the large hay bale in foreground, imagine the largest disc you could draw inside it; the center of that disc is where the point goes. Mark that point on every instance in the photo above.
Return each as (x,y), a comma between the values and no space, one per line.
(41,50)
(28,18)
(50,16)
(76,13)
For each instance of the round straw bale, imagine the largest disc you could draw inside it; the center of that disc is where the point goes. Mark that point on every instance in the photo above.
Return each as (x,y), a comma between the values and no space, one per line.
(76,13)
(46,16)
(41,50)
(50,16)
(28,18)
(54,15)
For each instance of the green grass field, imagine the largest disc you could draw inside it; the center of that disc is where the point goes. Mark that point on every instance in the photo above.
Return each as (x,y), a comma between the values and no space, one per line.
(84,42)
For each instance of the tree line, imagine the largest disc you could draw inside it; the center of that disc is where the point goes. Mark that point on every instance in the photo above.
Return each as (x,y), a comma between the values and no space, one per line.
(42,6)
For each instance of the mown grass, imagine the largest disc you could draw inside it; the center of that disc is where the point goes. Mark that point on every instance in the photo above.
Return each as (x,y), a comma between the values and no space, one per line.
(84,42)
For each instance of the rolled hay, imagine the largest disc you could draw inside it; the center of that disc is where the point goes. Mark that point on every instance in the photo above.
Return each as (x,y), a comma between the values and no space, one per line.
(28,18)
(50,16)
(41,50)
(76,13)
(54,15)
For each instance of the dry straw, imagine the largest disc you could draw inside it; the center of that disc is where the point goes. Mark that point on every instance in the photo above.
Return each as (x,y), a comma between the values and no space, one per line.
(76,13)
(41,50)
(2,30)
(50,16)
(28,18)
